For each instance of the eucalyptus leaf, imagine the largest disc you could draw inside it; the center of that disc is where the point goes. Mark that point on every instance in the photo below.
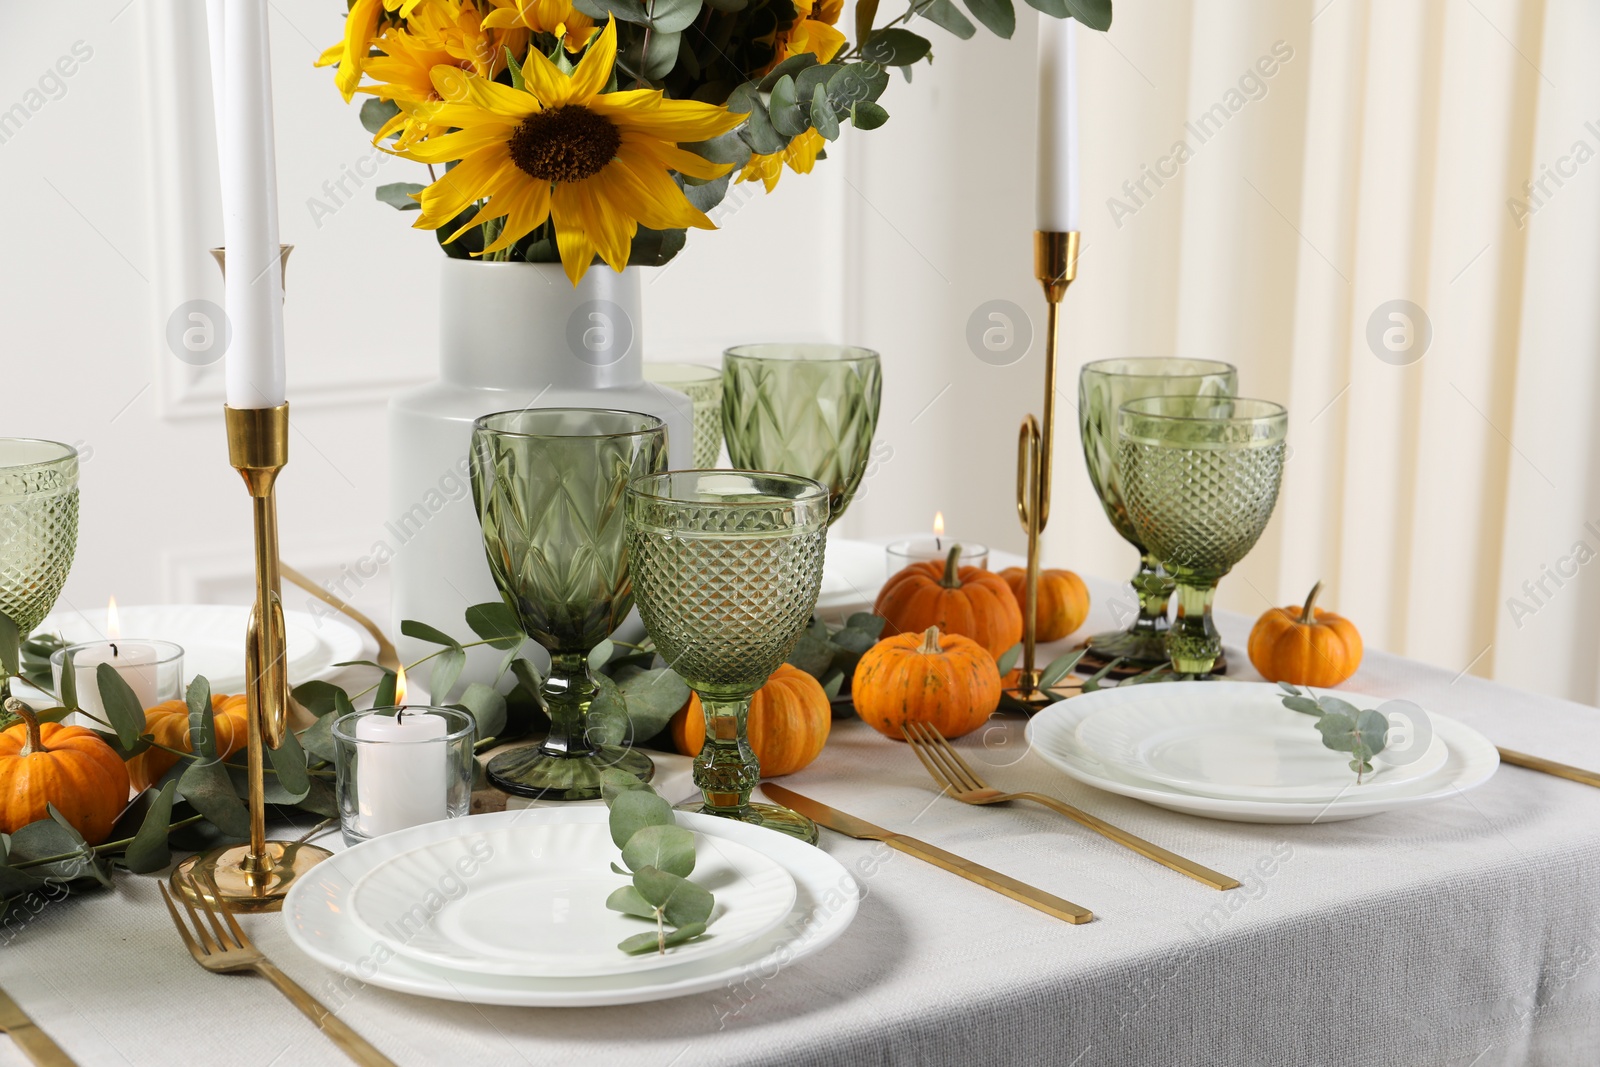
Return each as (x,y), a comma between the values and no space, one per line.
(10,645)
(1333,703)
(495,623)
(445,672)
(319,800)
(289,761)
(997,16)
(1008,659)
(206,785)
(1338,731)
(633,810)
(614,783)
(375,114)
(895,47)
(707,195)
(650,941)
(667,847)
(399,195)
(1292,690)
(624,10)
(69,682)
(1373,726)
(627,900)
(384,696)
(680,900)
(1095,14)
(944,14)
(790,67)
(601,654)
(122,707)
(608,714)
(651,699)
(866,622)
(868,116)
(1057,669)
(423,632)
(812,654)
(833,684)
(45,838)
(661,51)
(148,851)
(487,708)
(1304,705)
(315,697)
(202,723)
(787,118)
(671,16)
(729,148)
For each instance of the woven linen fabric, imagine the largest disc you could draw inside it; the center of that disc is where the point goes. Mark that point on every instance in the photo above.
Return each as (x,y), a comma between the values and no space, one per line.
(1463,934)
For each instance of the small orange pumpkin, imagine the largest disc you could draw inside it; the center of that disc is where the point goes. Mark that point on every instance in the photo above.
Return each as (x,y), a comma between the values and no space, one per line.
(1305,645)
(1063,600)
(968,601)
(790,717)
(67,766)
(168,724)
(948,681)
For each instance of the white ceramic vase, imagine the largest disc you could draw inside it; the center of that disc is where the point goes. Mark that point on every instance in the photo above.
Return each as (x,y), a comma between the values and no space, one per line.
(511,335)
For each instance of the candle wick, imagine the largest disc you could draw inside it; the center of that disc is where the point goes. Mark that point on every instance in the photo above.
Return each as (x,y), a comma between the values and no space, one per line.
(114,652)
(399,716)
(938,543)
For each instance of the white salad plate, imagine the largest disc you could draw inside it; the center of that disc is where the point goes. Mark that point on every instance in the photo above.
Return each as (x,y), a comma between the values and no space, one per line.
(212,637)
(1470,758)
(318,917)
(535,904)
(852,574)
(1246,749)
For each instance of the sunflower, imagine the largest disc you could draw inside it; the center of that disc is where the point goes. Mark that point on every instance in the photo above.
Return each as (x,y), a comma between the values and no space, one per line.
(557,17)
(597,164)
(811,31)
(800,154)
(360,29)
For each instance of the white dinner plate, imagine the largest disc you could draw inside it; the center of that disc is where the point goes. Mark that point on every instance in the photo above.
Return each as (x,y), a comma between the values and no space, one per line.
(1471,760)
(536,904)
(212,637)
(317,916)
(852,574)
(1215,742)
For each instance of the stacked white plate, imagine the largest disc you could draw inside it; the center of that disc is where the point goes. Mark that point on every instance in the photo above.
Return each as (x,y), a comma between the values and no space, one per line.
(509,908)
(1231,750)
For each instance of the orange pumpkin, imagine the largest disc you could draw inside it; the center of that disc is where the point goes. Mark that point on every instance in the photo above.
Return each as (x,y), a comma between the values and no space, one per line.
(968,601)
(67,766)
(168,724)
(1305,645)
(948,681)
(1063,601)
(790,717)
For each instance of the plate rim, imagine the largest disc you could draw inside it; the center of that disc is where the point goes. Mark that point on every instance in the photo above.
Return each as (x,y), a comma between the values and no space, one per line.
(829,893)
(509,968)
(1060,716)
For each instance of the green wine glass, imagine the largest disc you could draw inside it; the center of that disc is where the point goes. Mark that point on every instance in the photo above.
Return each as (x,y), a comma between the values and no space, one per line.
(549,484)
(703,386)
(806,409)
(38,530)
(1200,478)
(727,566)
(1103,387)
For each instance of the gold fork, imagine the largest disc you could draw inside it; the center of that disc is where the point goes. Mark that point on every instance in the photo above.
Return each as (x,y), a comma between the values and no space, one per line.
(963,783)
(230,955)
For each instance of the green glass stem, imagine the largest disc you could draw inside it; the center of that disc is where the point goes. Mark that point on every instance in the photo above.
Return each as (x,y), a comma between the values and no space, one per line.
(1193,642)
(567,695)
(726,769)
(1153,587)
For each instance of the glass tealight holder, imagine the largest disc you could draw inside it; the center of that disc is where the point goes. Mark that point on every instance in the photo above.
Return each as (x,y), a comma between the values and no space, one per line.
(901,554)
(152,669)
(402,767)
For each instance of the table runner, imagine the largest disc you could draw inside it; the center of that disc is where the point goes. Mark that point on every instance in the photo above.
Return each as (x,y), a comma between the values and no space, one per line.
(1464,934)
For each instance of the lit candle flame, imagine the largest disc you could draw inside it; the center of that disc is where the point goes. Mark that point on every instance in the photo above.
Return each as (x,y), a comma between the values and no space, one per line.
(400,686)
(938,529)
(113,627)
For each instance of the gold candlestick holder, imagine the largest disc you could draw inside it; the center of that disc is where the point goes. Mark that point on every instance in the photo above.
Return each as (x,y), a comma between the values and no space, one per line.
(1055,264)
(257,875)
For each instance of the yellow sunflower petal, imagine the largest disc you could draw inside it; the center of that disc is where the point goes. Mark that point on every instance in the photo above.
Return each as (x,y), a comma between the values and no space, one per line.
(447,148)
(470,180)
(645,111)
(594,69)
(545,81)
(652,196)
(360,27)
(456,86)
(675,158)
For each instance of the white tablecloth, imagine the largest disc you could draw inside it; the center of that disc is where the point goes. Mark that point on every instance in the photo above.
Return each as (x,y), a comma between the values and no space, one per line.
(1464,934)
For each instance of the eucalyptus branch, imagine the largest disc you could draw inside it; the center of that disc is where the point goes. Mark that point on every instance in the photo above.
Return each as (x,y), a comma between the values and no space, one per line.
(98,850)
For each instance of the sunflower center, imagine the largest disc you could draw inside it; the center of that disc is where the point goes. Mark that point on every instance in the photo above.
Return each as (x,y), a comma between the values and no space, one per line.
(564,144)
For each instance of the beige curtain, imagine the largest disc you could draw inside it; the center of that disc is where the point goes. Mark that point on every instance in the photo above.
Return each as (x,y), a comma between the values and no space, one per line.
(1330,194)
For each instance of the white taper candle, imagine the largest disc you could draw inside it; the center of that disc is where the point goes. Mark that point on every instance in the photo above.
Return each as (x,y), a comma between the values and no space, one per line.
(1058,188)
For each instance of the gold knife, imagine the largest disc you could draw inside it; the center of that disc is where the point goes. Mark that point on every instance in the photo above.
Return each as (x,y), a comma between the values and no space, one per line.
(850,826)
(1560,770)
(34,1042)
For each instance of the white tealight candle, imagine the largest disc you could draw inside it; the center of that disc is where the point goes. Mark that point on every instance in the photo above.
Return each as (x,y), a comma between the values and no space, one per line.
(401,779)
(134,661)
(1058,125)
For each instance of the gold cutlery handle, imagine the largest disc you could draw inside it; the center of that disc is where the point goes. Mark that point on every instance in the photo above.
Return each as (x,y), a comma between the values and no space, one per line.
(1148,849)
(354,1045)
(974,872)
(1560,770)
(37,1046)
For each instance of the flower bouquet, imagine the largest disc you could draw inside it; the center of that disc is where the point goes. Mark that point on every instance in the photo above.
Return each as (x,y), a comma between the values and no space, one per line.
(570,129)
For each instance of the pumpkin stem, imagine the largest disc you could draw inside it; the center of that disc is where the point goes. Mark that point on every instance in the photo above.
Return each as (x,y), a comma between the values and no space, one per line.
(951,579)
(35,743)
(930,642)
(1308,614)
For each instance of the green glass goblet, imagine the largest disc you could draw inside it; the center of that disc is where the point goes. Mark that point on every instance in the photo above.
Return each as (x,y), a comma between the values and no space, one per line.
(806,409)
(703,386)
(727,566)
(1103,387)
(38,529)
(549,484)
(1200,478)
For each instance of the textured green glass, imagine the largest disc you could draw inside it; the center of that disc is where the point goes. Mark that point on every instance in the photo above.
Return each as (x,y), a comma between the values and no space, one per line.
(549,484)
(1103,387)
(38,529)
(802,409)
(703,386)
(1200,478)
(727,566)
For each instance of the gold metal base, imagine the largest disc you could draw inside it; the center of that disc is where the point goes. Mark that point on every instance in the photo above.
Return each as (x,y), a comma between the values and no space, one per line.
(240,889)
